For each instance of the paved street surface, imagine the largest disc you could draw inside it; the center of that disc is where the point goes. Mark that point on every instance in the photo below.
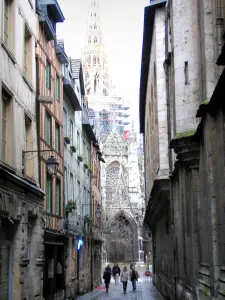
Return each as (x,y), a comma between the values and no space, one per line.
(144,291)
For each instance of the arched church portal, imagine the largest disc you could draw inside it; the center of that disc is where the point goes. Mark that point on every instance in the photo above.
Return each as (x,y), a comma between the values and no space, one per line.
(122,242)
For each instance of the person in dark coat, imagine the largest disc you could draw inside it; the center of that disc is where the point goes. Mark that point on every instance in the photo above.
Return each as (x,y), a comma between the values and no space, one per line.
(107,277)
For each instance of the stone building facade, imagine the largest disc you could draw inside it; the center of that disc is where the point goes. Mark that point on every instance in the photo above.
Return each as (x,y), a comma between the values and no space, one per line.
(21,199)
(182,118)
(122,201)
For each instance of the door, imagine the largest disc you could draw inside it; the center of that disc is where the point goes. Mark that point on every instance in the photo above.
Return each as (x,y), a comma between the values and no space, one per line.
(5,277)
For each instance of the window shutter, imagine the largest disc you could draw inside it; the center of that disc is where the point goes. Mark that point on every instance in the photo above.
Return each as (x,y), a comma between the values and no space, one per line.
(57,197)
(48,194)
(48,128)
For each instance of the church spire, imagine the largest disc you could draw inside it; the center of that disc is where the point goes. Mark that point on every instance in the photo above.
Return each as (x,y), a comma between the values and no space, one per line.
(94,60)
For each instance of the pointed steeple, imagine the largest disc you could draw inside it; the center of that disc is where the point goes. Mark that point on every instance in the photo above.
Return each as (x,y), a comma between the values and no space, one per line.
(94,60)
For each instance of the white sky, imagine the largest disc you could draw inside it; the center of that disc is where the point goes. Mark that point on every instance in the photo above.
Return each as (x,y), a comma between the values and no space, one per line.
(122,30)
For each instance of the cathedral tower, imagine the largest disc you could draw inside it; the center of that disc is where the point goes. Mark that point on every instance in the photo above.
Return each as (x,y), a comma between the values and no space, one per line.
(94,60)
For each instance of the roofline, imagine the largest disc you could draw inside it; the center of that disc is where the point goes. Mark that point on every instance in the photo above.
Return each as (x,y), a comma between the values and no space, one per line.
(149,17)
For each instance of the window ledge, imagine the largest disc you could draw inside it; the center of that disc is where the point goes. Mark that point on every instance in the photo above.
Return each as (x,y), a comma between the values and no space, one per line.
(11,56)
(28,83)
(7,167)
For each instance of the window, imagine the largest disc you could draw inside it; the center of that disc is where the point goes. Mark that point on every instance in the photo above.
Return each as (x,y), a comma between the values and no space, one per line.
(6,127)
(71,187)
(89,39)
(78,197)
(78,142)
(186,73)
(84,148)
(28,145)
(95,39)
(64,122)
(57,198)
(27,53)
(48,75)
(94,60)
(48,129)
(48,193)
(65,185)
(9,23)
(57,88)
(71,132)
(57,137)
(4,124)
(95,26)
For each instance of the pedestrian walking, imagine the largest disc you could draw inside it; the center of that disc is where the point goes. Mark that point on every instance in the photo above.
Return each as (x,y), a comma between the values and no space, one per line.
(124,278)
(116,273)
(107,277)
(134,277)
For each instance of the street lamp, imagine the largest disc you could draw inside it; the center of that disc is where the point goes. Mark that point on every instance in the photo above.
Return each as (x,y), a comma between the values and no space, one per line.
(52,165)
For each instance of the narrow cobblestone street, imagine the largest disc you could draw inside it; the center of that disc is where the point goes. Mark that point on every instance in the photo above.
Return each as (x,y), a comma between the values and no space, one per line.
(145,291)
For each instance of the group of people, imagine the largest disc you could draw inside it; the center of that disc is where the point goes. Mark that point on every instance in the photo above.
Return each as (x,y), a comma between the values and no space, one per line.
(124,276)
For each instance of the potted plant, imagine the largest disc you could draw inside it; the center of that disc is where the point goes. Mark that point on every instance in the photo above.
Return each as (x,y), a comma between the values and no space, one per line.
(86,165)
(80,158)
(67,139)
(70,206)
(88,219)
(73,148)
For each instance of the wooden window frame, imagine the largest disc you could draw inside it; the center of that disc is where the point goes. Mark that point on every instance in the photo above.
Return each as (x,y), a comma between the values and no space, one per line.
(46,137)
(57,135)
(7,98)
(48,75)
(57,88)
(9,25)
(27,60)
(48,210)
(58,205)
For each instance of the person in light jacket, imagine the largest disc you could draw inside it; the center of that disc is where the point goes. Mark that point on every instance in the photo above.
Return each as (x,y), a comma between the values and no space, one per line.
(124,278)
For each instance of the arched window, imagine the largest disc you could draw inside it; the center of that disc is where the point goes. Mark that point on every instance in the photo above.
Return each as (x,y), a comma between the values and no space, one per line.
(95,39)
(94,60)
(89,39)
(96,82)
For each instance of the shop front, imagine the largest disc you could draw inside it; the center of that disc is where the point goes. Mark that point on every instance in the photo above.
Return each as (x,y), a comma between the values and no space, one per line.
(55,247)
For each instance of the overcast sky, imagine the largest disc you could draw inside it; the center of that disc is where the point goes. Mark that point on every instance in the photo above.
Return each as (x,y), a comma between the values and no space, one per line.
(122,29)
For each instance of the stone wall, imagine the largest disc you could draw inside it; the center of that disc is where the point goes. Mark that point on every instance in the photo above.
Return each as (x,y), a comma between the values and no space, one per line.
(185,211)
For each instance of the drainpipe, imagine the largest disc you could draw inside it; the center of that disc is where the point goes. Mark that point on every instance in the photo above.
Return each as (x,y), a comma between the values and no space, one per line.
(169,140)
